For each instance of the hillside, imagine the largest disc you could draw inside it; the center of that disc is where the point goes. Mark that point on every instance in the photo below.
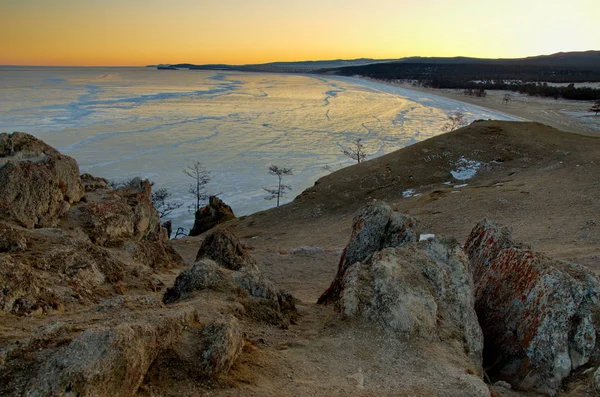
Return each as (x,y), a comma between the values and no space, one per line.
(584,60)
(95,302)
(538,180)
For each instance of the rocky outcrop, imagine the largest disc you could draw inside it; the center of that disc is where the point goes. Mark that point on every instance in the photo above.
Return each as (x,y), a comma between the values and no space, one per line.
(375,227)
(111,217)
(227,267)
(104,361)
(11,239)
(37,183)
(101,362)
(44,269)
(225,249)
(422,289)
(101,261)
(211,215)
(536,312)
(91,183)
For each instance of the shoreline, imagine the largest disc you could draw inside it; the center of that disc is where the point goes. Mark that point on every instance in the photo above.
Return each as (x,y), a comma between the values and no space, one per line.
(567,115)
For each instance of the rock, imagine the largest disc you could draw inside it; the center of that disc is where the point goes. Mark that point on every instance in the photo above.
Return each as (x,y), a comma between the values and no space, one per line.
(536,312)
(209,350)
(225,249)
(18,287)
(376,226)
(64,270)
(597,380)
(211,215)
(111,217)
(422,289)
(485,243)
(168,225)
(37,183)
(203,274)
(106,361)
(158,254)
(11,239)
(91,183)
(502,384)
(56,277)
(263,301)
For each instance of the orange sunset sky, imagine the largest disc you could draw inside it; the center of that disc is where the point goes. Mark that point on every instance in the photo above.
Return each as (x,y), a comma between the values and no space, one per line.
(140,32)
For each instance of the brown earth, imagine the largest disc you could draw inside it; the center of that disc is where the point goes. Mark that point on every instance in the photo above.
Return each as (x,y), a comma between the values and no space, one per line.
(541,182)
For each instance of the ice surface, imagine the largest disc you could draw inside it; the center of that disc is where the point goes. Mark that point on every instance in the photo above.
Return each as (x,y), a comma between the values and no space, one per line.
(124,122)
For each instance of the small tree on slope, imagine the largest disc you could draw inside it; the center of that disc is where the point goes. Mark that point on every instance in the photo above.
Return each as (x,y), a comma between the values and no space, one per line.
(455,121)
(595,108)
(160,199)
(201,177)
(356,151)
(281,188)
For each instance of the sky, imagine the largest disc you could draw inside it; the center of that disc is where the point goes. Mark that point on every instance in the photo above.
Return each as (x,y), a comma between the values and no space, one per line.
(142,32)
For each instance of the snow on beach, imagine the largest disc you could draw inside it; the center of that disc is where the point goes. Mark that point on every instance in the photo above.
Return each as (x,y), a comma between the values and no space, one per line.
(124,122)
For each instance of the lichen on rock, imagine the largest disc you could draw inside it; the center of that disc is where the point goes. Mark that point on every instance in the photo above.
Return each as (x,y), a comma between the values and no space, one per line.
(536,312)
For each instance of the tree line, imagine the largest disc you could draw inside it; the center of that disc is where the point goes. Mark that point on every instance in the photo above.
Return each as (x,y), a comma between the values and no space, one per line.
(524,78)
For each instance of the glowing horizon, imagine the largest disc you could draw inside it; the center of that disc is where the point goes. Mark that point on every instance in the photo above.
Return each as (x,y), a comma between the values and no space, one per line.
(143,32)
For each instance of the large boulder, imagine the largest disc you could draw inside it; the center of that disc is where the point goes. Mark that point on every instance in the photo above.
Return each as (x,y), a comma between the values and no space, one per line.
(111,217)
(207,350)
(375,227)
(106,361)
(423,289)
(536,312)
(224,248)
(37,183)
(259,296)
(211,215)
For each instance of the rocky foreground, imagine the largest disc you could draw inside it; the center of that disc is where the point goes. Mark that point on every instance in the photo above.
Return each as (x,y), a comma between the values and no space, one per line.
(96,301)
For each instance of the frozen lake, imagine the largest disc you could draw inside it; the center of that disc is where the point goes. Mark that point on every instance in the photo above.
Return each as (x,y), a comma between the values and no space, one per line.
(125,122)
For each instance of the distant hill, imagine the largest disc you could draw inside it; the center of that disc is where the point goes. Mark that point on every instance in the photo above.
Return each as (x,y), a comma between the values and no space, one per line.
(588,60)
(525,75)
(578,60)
(289,67)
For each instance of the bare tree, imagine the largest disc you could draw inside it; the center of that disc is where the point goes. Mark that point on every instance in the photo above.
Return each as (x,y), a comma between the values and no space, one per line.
(181,232)
(356,151)
(160,199)
(281,189)
(506,99)
(201,177)
(455,121)
(595,108)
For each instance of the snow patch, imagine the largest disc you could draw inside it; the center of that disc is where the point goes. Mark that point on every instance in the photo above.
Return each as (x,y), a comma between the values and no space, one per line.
(410,193)
(424,237)
(466,169)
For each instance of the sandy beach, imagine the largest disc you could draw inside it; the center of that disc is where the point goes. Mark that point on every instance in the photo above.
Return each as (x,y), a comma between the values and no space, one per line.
(566,115)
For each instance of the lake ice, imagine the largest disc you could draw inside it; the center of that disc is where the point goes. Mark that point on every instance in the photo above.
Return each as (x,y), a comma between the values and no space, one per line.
(124,122)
